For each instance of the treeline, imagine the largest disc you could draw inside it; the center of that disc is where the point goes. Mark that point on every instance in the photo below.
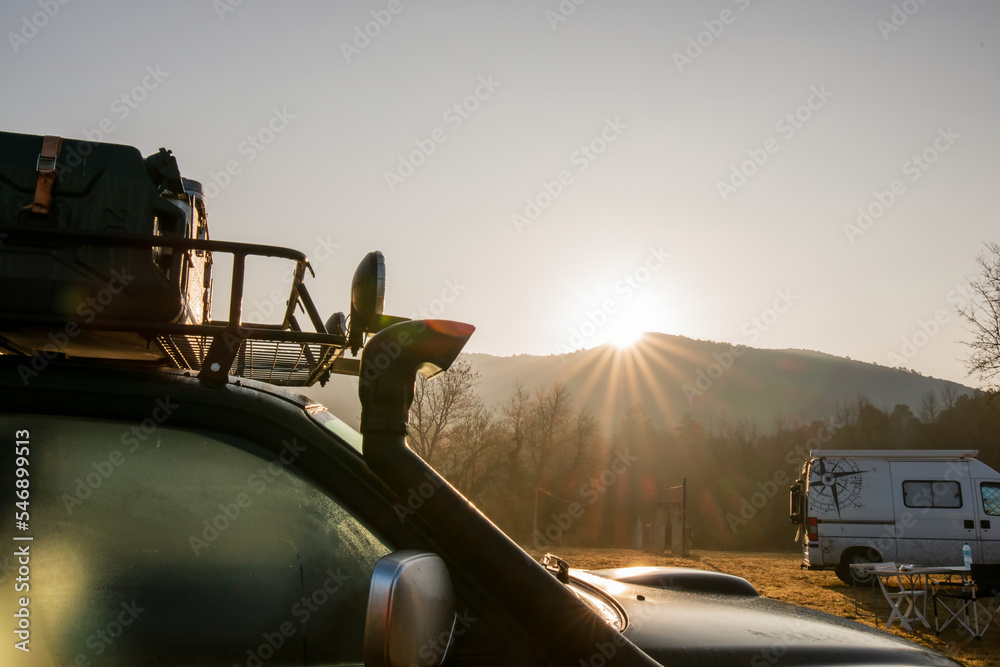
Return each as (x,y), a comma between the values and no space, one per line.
(549,473)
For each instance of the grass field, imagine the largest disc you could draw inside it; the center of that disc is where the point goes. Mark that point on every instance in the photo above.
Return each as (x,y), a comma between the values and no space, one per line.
(778,576)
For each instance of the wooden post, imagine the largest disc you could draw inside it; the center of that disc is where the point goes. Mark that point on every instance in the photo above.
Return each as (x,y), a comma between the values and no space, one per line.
(684,518)
(659,539)
(677,530)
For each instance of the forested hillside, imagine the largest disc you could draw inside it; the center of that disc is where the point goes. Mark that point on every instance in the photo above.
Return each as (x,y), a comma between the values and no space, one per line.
(592,480)
(601,436)
(672,376)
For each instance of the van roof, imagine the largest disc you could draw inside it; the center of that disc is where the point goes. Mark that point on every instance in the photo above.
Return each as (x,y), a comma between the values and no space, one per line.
(894,453)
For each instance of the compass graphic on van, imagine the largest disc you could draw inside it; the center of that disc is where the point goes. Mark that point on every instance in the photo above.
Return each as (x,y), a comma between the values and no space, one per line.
(835,485)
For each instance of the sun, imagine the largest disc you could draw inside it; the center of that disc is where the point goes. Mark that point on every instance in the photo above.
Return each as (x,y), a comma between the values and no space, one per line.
(625,337)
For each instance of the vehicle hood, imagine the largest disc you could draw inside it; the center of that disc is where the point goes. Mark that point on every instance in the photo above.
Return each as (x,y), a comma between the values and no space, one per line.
(684,627)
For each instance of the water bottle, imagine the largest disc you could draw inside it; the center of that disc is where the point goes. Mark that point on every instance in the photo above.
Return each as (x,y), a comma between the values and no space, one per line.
(967,555)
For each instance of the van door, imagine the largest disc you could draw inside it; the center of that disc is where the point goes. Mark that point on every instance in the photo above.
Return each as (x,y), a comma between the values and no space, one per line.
(988,521)
(936,512)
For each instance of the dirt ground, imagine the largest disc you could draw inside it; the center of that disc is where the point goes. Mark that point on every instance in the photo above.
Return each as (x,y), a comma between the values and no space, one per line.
(777,575)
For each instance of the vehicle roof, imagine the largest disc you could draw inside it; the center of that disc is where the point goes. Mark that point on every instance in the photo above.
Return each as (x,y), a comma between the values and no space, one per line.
(924,454)
(106,380)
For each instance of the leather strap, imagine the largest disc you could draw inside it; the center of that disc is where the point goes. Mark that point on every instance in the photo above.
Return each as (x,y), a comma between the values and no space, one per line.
(46,166)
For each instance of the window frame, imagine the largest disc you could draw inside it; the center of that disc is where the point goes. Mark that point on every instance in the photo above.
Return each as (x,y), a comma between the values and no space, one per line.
(982,497)
(932,482)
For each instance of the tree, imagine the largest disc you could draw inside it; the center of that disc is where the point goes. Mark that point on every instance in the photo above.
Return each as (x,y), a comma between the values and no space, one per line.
(929,407)
(549,416)
(440,406)
(470,458)
(948,395)
(982,316)
(514,423)
(902,422)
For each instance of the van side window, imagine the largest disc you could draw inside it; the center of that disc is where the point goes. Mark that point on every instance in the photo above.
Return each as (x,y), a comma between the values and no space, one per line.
(932,493)
(991,497)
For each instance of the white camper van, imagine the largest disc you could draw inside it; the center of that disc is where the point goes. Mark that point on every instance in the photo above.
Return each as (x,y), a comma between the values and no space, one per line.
(907,506)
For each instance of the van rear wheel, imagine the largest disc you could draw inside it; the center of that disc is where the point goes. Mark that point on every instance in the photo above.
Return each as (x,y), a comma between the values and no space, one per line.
(846,574)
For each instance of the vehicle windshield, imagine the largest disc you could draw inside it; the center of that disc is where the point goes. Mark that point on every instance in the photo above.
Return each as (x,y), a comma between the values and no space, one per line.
(327,419)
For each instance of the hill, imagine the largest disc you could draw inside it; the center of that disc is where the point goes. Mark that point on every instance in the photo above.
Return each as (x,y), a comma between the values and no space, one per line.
(671,375)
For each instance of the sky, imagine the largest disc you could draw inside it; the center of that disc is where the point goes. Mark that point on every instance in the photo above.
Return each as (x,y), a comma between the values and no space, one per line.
(798,174)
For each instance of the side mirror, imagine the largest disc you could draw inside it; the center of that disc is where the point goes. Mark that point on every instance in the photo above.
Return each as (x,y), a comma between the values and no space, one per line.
(337,325)
(411,611)
(367,299)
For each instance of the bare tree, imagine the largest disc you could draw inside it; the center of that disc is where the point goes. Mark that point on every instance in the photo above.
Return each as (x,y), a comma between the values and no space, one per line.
(746,433)
(982,316)
(470,456)
(949,394)
(514,422)
(929,407)
(439,407)
(845,414)
(585,435)
(550,414)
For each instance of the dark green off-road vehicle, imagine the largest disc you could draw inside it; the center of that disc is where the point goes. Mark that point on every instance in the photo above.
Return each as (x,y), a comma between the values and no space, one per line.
(166,500)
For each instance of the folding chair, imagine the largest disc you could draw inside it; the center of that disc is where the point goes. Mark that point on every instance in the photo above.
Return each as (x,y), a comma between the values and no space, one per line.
(958,599)
(896,592)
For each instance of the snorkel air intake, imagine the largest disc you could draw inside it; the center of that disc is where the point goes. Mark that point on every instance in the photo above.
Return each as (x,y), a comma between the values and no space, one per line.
(390,362)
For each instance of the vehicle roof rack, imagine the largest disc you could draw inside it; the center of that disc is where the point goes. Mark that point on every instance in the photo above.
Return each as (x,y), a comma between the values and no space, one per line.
(894,453)
(280,354)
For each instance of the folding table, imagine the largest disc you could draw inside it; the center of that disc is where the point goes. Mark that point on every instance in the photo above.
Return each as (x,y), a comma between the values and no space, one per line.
(903,585)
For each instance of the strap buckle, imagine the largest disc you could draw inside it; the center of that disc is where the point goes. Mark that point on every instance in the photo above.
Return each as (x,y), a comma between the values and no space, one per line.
(46,168)
(46,162)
